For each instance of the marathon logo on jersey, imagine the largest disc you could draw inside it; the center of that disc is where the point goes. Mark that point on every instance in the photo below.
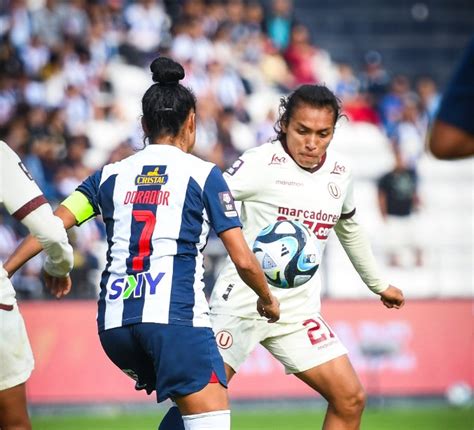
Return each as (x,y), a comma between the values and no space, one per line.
(228,204)
(135,286)
(338,169)
(152,175)
(236,166)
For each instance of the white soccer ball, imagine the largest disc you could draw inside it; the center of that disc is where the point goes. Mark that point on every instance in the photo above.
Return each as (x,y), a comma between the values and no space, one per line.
(288,253)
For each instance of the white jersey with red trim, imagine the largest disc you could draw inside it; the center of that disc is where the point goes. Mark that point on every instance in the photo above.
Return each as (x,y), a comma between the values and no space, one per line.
(23,199)
(271,186)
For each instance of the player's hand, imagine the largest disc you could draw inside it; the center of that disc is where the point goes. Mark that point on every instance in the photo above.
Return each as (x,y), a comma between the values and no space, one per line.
(392,297)
(269,308)
(58,287)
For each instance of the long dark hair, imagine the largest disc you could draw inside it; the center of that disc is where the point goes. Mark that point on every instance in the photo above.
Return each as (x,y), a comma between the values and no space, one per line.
(167,103)
(318,96)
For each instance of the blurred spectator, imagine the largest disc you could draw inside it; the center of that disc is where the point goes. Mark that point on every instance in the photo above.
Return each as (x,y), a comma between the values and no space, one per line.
(392,104)
(398,201)
(409,133)
(429,96)
(147,29)
(300,55)
(279,23)
(375,79)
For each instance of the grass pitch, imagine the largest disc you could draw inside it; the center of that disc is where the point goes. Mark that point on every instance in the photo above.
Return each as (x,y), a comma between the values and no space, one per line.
(440,418)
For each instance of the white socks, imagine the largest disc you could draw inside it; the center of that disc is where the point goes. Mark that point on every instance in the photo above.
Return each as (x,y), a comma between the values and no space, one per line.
(218,420)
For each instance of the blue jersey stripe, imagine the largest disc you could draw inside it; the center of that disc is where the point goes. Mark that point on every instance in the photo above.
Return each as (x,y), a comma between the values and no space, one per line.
(184,264)
(105,196)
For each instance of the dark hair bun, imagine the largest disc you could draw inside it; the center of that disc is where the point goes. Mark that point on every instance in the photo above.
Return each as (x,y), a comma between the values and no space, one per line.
(166,71)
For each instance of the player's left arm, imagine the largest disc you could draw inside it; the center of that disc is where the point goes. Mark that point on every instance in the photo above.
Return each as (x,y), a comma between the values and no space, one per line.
(357,247)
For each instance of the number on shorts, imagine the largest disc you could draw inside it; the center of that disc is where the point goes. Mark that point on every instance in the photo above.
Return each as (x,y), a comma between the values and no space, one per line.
(313,327)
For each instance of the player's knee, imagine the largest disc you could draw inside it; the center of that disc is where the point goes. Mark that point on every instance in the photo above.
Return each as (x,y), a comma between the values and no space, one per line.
(351,405)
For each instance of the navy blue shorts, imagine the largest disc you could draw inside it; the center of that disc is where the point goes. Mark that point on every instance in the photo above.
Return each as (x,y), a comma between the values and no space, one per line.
(174,360)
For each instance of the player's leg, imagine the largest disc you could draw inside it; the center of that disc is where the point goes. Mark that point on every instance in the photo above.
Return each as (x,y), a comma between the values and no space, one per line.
(173,419)
(311,350)
(236,338)
(13,410)
(338,383)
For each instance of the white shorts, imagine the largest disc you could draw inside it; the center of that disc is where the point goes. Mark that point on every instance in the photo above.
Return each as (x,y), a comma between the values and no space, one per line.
(16,357)
(298,346)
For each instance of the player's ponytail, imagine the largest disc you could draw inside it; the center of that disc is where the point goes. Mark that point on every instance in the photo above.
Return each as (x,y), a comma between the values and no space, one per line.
(167,103)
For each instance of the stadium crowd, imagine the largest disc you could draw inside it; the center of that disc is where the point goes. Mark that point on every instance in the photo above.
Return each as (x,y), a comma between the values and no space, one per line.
(71,74)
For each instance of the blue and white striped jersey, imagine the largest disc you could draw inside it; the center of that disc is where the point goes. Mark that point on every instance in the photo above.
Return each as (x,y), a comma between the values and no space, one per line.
(158,206)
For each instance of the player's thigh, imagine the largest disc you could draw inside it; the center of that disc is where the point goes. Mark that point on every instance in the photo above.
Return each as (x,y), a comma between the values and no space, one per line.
(13,409)
(213,397)
(237,337)
(300,346)
(16,357)
(128,355)
(186,358)
(336,380)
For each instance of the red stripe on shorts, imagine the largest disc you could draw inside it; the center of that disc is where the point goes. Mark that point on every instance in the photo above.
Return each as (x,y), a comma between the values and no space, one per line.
(214,379)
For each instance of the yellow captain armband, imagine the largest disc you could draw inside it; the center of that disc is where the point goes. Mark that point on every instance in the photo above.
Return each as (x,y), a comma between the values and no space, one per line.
(79,206)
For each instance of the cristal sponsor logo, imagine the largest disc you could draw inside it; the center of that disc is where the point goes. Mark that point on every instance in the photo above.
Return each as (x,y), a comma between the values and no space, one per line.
(338,169)
(135,286)
(277,160)
(152,178)
(153,197)
(224,339)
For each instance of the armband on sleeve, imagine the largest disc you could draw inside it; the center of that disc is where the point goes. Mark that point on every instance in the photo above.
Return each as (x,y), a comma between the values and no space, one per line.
(80,207)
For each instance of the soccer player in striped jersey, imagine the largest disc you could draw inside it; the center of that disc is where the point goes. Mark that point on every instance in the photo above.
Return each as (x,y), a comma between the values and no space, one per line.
(23,199)
(296,177)
(158,206)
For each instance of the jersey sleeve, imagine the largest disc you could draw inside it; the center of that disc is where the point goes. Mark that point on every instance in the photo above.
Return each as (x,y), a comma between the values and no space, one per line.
(242,176)
(90,189)
(348,207)
(19,192)
(219,203)
(23,199)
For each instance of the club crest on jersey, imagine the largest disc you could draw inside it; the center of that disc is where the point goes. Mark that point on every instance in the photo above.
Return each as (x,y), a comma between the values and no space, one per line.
(153,177)
(224,339)
(334,190)
(135,286)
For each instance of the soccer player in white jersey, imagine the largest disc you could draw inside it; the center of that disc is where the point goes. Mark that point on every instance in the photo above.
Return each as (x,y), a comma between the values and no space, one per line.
(158,206)
(25,202)
(296,177)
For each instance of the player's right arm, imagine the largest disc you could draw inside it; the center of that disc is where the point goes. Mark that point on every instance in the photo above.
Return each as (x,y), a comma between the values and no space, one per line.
(24,201)
(250,272)
(75,210)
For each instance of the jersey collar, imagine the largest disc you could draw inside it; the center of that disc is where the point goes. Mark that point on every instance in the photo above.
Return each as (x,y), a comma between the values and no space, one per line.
(310,169)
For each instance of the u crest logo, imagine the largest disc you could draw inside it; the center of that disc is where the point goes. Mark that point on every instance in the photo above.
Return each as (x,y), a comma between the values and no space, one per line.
(224,339)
